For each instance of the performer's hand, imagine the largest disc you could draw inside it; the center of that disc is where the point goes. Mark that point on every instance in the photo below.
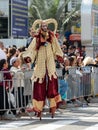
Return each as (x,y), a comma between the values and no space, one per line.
(27,59)
(60,59)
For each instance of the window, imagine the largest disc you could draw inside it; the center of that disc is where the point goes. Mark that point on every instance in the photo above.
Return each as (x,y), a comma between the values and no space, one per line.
(74,3)
(3,27)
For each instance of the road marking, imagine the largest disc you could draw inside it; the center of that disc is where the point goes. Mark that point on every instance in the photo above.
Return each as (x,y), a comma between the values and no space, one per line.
(68,118)
(94,127)
(15,124)
(88,118)
(54,125)
(86,108)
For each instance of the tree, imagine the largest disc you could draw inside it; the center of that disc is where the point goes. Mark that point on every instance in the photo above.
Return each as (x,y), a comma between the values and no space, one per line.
(43,9)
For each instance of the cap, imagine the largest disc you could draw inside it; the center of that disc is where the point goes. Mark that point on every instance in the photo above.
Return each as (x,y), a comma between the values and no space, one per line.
(12,60)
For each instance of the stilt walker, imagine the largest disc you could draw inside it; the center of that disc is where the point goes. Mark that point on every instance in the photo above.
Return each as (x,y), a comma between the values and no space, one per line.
(44,50)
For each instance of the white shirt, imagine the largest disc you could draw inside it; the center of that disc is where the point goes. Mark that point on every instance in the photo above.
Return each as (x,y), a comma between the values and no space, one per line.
(2,54)
(18,77)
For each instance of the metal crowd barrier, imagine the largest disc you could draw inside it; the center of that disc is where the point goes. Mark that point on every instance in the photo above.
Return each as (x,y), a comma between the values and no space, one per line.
(15,93)
(94,81)
(81,82)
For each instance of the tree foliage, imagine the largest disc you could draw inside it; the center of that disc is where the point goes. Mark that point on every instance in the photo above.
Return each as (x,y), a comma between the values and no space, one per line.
(44,9)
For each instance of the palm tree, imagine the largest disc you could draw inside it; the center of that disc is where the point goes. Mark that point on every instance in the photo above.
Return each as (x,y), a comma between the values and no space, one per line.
(71,18)
(43,9)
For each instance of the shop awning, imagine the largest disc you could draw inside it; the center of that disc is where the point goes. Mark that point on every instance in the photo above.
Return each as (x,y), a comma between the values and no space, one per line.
(75,37)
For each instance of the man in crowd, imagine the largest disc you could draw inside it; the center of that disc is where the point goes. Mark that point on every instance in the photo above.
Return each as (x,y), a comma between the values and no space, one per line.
(29,40)
(2,53)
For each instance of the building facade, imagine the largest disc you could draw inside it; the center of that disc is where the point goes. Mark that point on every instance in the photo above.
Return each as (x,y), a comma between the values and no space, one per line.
(5,18)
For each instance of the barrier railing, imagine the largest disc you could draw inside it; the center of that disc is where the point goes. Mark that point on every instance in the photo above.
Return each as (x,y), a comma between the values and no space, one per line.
(16,93)
(81,82)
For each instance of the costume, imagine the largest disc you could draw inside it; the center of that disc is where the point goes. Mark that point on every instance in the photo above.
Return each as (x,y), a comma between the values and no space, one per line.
(44,49)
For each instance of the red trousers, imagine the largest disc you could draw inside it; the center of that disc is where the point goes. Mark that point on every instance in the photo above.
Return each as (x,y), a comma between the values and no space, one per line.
(47,89)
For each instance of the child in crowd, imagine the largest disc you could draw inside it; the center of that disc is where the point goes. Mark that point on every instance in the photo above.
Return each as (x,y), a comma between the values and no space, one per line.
(63,85)
(5,85)
(18,82)
(26,64)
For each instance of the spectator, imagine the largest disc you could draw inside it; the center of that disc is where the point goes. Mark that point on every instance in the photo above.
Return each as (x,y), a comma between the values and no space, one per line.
(11,53)
(71,51)
(2,53)
(4,86)
(29,40)
(18,84)
(26,63)
(96,60)
(83,52)
(88,61)
(64,49)
(63,86)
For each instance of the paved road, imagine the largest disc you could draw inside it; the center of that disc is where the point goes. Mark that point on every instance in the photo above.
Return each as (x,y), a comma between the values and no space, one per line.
(80,118)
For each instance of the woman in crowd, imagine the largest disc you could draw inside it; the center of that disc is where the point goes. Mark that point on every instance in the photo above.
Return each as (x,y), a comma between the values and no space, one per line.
(6,80)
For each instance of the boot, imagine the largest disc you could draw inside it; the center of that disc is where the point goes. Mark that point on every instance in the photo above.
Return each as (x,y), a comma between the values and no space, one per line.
(39,115)
(62,104)
(52,111)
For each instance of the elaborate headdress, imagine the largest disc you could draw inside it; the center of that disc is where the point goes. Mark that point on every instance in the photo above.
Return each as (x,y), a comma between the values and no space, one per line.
(47,21)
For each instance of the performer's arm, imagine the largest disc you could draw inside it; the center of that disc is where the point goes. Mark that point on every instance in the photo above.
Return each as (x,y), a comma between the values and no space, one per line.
(31,51)
(57,50)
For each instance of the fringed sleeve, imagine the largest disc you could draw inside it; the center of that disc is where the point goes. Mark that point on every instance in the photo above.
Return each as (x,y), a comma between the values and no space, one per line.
(31,51)
(56,49)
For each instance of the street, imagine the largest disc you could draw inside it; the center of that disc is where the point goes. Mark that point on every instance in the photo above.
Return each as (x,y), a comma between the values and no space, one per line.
(48,56)
(80,118)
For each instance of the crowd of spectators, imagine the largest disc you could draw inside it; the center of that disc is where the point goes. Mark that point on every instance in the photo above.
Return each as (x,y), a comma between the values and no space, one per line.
(10,62)
(73,56)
